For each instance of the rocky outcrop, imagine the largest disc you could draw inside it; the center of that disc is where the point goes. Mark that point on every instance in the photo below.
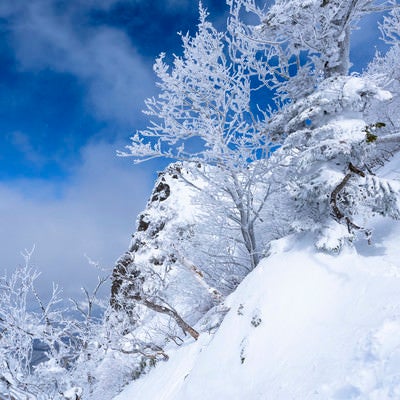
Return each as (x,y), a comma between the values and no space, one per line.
(147,231)
(156,275)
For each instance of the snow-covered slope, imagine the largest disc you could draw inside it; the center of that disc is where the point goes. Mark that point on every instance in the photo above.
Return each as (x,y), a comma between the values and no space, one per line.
(303,325)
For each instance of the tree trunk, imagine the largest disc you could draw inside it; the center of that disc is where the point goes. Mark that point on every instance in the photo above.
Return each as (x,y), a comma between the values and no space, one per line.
(337,213)
(172,313)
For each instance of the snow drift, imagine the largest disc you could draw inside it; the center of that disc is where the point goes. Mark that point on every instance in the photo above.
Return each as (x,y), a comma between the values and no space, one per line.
(303,325)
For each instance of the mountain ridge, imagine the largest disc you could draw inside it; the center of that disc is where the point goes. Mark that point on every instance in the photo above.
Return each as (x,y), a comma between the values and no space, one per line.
(304,324)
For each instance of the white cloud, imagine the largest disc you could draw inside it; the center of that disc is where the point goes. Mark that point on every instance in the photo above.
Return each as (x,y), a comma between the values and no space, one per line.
(102,58)
(94,211)
(94,215)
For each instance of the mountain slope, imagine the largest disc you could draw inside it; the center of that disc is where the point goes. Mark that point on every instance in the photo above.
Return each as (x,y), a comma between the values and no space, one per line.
(303,325)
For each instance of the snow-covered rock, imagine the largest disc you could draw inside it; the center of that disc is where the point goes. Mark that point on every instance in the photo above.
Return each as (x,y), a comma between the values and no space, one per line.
(156,263)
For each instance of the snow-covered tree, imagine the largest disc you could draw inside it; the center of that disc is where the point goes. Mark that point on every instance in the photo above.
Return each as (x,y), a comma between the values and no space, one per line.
(326,120)
(71,347)
(326,162)
(204,115)
(385,70)
(293,45)
(21,328)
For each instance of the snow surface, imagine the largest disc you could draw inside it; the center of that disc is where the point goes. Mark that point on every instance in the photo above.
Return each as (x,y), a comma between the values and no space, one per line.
(303,325)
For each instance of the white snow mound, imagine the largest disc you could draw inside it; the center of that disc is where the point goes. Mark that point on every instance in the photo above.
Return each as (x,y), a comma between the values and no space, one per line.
(303,325)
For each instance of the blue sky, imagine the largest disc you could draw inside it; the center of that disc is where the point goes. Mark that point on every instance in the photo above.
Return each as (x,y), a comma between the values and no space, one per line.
(73,79)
